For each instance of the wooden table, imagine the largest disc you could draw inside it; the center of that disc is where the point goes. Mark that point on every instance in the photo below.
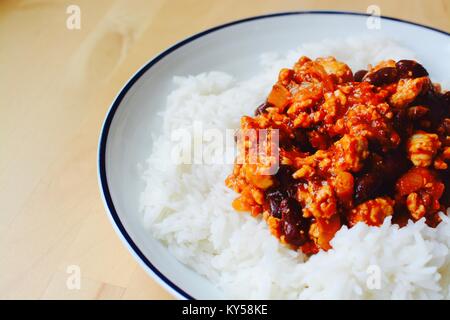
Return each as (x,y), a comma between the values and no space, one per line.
(56,85)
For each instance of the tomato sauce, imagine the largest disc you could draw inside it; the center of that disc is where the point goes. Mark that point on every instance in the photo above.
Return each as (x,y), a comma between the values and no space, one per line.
(352,148)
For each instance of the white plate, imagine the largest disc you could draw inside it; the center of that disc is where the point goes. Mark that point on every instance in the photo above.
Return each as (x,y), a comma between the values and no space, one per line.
(126,135)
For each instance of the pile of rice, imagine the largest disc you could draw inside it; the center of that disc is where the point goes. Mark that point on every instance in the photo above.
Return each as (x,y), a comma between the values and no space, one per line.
(188,208)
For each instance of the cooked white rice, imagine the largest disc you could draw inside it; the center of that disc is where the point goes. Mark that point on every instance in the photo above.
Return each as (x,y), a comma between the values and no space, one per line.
(188,207)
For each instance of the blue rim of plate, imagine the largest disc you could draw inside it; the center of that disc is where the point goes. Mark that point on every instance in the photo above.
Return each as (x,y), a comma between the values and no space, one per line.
(103,182)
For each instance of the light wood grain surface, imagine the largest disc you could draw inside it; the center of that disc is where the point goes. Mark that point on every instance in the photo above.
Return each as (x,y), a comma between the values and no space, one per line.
(56,85)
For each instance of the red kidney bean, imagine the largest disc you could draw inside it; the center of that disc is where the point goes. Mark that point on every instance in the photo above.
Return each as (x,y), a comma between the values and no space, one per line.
(302,141)
(262,108)
(445,127)
(417,112)
(359,75)
(383,172)
(394,165)
(291,211)
(294,235)
(402,123)
(275,197)
(439,106)
(382,76)
(366,186)
(410,69)
(284,176)
(291,191)
(288,210)
(285,188)
(294,226)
